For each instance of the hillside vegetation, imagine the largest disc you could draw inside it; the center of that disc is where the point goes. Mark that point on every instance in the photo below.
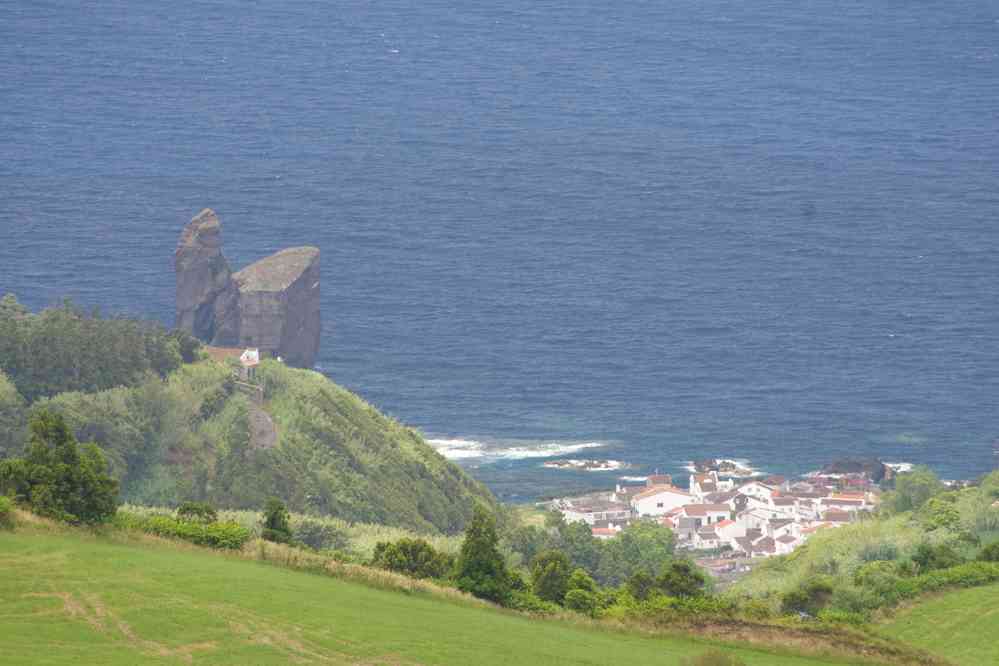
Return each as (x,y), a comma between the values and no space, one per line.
(961,625)
(175,431)
(122,600)
(925,538)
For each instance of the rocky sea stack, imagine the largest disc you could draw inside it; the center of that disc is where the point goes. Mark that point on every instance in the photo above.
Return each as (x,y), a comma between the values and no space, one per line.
(272,304)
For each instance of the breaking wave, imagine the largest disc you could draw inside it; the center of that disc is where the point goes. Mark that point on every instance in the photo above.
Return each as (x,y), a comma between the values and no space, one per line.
(459,448)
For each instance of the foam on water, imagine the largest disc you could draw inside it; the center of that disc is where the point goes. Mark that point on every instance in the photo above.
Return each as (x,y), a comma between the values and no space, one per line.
(459,448)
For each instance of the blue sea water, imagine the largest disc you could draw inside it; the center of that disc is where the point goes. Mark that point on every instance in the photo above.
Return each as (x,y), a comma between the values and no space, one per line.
(764,230)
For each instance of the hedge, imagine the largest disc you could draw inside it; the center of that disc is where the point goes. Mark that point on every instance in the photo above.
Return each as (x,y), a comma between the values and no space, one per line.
(226,535)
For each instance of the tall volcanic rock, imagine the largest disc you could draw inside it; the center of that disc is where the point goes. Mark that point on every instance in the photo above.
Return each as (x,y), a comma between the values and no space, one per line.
(207,298)
(272,305)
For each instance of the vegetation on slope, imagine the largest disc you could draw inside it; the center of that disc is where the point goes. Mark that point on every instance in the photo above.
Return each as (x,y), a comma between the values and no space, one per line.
(175,431)
(926,538)
(960,625)
(114,599)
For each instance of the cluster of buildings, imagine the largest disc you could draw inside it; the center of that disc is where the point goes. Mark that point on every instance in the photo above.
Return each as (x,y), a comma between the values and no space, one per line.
(751,518)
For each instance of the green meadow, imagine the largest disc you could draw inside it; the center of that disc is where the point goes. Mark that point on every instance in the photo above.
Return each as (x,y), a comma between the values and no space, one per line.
(962,626)
(70,597)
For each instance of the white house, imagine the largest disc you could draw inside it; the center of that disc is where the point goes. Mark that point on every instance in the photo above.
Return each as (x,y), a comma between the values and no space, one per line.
(758,490)
(705,484)
(707,514)
(659,500)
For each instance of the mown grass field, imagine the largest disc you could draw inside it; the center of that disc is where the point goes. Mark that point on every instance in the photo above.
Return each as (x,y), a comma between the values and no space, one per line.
(73,598)
(962,626)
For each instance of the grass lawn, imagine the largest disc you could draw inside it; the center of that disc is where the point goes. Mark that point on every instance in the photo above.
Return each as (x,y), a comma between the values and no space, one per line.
(68,598)
(962,626)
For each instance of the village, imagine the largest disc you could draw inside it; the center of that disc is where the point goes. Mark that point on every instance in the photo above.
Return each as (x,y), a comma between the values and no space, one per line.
(729,520)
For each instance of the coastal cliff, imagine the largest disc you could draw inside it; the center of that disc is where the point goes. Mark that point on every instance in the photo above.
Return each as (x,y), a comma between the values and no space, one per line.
(273,304)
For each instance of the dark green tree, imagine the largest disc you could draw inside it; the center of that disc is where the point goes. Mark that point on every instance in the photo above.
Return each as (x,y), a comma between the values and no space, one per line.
(550,575)
(276,526)
(59,479)
(681,578)
(480,569)
(641,584)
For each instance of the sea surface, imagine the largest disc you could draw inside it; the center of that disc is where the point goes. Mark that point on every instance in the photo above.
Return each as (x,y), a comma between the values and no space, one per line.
(648,231)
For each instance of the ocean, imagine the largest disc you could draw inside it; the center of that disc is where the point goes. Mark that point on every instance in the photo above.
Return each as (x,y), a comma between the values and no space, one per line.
(646,231)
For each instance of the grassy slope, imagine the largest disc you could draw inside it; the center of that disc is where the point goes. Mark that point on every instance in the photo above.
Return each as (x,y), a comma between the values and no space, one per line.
(71,598)
(189,438)
(962,625)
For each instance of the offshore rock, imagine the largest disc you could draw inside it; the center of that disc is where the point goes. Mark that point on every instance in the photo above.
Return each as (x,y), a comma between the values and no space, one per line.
(207,298)
(272,305)
(279,305)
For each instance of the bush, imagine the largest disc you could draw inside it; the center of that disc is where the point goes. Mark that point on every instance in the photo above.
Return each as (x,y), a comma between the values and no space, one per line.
(319,535)
(197,512)
(810,597)
(713,658)
(227,535)
(932,557)
(581,601)
(412,557)
(276,527)
(7,519)
(990,553)
(527,601)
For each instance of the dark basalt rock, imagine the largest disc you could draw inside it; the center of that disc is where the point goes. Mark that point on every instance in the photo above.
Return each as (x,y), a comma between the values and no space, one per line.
(272,305)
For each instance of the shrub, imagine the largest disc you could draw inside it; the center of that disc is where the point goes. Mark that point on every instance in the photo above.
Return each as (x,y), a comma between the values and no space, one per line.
(527,601)
(810,597)
(581,601)
(843,617)
(580,580)
(929,557)
(319,535)
(197,512)
(7,519)
(713,658)
(227,535)
(882,551)
(550,576)
(413,557)
(990,553)
(276,527)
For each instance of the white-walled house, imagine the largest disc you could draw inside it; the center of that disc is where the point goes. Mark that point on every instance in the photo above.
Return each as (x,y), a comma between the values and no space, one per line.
(707,514)
(758,490)
(659,500)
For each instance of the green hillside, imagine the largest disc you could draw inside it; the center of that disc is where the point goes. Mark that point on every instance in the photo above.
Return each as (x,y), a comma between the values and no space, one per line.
(73,598)
(192,437)
(962,626)
(175,430)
